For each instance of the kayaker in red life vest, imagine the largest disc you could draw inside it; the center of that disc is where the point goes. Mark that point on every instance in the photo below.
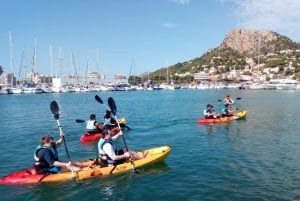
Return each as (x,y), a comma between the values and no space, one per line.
(46,157)
(210,113)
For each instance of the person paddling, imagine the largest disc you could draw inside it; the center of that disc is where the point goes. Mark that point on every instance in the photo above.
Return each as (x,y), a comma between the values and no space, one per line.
(210,113)
(228,100)
(227,111)
(46,157)
(110,155)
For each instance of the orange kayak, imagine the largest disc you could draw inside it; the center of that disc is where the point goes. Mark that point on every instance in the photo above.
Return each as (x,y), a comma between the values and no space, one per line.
(236,116)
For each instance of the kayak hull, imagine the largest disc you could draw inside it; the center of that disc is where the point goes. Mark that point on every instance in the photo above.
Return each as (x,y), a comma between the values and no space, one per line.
(87,137)
(236,116)
(29,176)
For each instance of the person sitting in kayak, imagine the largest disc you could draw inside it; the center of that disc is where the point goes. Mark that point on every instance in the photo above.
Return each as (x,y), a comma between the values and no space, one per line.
(110,155)
(210,113)
(227,111)
(109,122)
(93,126)
(228,100)
(46,158)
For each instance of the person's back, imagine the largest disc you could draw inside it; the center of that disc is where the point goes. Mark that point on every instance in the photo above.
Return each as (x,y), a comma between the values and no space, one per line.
(92,125)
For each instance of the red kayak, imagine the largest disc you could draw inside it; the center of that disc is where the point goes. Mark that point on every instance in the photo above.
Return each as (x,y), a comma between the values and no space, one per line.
(95,136)
(88,137)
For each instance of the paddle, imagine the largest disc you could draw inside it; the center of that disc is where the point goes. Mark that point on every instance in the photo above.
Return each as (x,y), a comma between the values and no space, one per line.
(113,108)
(238,98)
(55,111)
(99,100)
(80,121)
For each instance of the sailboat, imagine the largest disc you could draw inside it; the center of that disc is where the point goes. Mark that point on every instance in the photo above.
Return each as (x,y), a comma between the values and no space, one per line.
(31,86)
(12,89)
(169,85)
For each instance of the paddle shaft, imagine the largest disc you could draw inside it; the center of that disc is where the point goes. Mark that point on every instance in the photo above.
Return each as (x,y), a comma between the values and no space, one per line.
(55,111)
(64,140)
(113,109)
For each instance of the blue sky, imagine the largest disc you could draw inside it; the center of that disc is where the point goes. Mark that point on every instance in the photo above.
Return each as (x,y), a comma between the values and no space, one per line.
(155,33)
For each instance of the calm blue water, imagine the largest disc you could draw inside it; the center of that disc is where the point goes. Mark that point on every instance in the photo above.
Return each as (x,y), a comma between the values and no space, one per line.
(252,159)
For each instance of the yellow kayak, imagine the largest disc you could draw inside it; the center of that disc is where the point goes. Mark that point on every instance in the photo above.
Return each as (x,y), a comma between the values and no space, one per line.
(29,176)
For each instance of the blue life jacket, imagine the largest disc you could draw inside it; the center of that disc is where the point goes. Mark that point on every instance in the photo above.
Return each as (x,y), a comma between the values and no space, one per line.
(52,149)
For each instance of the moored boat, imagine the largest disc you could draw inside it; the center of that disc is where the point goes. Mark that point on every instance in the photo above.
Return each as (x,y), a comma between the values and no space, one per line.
(236,116)
(30,176)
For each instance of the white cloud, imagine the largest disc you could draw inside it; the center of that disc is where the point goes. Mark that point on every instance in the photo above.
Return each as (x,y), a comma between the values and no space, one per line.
(282,16)
(169,25)
(183,2)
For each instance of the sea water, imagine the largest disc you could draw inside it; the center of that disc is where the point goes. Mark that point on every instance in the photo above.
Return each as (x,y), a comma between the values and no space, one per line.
(252,159)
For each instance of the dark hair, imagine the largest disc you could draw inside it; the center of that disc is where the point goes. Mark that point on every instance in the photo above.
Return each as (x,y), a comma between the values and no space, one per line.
(104,132)
(46,139)
(92,116)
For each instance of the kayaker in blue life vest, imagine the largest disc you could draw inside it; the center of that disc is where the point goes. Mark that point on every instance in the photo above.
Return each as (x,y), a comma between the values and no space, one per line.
(110,155)
(210,113)
(227,111)
(46,157)
(92,125)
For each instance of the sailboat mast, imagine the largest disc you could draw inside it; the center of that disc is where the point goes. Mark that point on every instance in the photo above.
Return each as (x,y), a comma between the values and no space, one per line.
(60,61)
(97,64)
(34,57)
(51,60)
(11,58)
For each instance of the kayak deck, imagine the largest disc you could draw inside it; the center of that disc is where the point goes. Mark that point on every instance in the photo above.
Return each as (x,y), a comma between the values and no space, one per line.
(29,176)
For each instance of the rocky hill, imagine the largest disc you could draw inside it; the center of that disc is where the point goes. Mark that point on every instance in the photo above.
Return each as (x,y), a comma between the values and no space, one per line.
(254,42)
(238,46)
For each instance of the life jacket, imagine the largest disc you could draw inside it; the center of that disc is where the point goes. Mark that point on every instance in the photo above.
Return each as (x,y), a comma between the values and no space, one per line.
(208,110)
(41,166)
(224,111)
(105,159)
(90,125)
(39,147)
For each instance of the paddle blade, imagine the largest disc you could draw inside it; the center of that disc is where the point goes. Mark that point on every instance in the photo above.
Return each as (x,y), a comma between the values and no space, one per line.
(79,121)
(98,99)
(238,98)
(54,109)
(112,105)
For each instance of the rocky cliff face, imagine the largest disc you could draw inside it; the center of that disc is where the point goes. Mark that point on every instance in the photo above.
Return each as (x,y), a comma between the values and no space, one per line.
(247,41)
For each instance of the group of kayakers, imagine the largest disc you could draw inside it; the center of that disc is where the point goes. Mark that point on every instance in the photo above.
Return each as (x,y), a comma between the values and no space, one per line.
(46,155)
(226,111)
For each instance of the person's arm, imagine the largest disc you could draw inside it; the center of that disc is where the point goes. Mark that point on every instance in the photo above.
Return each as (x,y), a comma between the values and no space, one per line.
(116,136)
(60,140)
(98,125)
(61,164)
